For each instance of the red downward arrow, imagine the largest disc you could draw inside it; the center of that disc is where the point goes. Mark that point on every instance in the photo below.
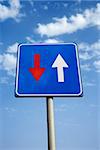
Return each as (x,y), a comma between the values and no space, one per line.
(37,71)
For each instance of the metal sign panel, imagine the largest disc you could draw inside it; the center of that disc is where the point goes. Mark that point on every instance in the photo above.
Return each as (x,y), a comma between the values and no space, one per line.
(48,70)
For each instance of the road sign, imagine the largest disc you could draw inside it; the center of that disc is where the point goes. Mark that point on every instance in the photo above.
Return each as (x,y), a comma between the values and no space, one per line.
(48,70)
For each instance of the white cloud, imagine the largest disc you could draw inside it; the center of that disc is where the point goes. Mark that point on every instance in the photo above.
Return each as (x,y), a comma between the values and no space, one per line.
(8,60)
(8,63)
(13,48)
(11,11)
(52,41)
(90,17)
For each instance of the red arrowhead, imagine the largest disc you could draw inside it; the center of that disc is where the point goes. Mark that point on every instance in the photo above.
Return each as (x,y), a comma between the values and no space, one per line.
(37,71)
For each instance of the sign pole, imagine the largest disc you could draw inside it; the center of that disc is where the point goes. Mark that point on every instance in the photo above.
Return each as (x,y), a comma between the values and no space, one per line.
(50,124)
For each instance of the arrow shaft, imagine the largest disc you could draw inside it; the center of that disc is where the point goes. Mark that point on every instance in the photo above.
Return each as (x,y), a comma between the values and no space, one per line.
(36,61)
(60,72)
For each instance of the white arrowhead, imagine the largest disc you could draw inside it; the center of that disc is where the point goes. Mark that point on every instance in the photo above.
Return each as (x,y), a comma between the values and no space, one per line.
(60,63)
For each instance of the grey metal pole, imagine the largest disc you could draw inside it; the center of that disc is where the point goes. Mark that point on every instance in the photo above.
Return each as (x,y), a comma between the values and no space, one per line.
(50,124)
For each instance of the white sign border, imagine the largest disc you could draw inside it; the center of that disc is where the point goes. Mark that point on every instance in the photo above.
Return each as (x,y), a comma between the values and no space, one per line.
(47,95)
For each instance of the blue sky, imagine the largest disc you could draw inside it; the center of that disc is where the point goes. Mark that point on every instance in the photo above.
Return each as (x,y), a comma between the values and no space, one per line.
(23,120)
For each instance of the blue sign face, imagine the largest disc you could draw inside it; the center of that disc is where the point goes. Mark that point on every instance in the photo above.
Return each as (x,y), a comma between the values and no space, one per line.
(48,70)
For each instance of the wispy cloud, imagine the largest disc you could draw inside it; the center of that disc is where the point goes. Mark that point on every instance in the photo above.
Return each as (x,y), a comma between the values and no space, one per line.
(97,65)
(1,43)
(89,52)
(69,124)
(86,67)
(65,107)
(31,2)
(11,11)
(85,56)
(89,84)
(49,40)
(94,106)
(65,5)
(4,80)
(90,17)
(45,7)
(29,39)
(9,109)
(94,47)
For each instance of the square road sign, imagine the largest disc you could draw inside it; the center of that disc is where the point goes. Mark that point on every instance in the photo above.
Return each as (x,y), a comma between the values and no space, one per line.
(48,70)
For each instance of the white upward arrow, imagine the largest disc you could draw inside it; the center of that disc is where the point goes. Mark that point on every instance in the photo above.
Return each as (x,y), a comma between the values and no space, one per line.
(60,64)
